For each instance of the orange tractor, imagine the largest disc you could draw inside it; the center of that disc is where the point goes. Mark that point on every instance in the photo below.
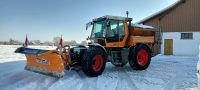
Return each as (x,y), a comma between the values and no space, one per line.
(113,39)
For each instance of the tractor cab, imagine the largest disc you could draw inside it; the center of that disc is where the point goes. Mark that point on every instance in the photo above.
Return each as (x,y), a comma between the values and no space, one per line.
(110,31)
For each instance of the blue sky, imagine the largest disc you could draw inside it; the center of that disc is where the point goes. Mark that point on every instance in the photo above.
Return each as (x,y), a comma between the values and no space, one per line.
(45,19)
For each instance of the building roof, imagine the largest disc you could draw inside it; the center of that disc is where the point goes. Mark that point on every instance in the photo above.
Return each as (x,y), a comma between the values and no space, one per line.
(163,11)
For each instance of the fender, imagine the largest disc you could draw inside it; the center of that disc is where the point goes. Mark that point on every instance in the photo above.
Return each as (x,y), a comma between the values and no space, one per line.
(144,45)
(99,46)
(137,44)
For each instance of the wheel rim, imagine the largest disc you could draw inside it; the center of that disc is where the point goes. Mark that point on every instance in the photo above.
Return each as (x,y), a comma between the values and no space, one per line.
(142,57)
(97,62)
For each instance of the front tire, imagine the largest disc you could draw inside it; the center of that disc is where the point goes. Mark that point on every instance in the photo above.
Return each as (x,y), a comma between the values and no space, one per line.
(93,62)
(140,57)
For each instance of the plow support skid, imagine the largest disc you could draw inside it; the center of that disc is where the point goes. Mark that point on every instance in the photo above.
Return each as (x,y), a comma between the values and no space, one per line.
(47,62)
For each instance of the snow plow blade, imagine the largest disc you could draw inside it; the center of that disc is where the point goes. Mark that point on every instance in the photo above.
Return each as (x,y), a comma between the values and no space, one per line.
(47,62)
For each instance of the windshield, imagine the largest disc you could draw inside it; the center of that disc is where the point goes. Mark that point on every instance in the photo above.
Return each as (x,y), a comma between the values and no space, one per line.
(98,30)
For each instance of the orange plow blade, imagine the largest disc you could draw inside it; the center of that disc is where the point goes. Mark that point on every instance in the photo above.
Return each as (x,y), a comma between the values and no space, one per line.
(47,62)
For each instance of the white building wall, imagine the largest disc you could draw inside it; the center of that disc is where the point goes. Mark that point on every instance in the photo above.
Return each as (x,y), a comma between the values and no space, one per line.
(182,46)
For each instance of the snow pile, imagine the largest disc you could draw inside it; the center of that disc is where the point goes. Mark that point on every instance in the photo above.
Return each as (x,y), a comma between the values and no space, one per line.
(164,73)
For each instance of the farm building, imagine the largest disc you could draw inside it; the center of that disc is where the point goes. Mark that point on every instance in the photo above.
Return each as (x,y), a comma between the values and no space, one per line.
(179,25)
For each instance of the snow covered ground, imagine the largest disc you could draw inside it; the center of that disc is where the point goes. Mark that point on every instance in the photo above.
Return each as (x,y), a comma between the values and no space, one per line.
(164,73)
(198,68)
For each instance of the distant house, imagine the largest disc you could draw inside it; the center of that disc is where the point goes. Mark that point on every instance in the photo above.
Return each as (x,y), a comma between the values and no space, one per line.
(179,26)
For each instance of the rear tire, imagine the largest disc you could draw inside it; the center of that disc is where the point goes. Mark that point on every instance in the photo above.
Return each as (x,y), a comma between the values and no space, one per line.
(140,57)
(93,62)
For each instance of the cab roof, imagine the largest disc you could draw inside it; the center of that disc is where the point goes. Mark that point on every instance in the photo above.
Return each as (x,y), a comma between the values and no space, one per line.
(112,18)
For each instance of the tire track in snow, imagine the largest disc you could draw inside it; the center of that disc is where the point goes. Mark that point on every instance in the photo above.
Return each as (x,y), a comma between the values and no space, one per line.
(87,83)
(25,79)
(68,82)
(41,81)
(7,68)
(173,80)
(109,78)
(180,79)
(84,82)
(124,79)
(50,83)
(9,81)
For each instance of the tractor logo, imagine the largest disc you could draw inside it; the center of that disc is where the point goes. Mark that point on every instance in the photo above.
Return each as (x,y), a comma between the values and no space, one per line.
(42,61)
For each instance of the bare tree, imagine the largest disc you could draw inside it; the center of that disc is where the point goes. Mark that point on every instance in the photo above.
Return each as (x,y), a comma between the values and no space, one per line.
(36,42)
(11,41)
(48,43)
(56,41)
(72,42)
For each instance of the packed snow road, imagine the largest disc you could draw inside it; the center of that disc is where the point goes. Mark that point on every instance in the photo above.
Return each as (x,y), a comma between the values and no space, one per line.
(164,73)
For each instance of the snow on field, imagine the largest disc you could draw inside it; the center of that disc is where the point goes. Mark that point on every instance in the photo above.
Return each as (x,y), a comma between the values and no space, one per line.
(164,73)
(7,52)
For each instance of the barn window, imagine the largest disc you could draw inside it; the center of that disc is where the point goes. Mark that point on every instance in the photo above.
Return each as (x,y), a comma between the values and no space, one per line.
(186,35)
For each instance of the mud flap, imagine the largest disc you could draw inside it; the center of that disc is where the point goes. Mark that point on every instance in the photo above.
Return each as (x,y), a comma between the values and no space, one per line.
(47,62)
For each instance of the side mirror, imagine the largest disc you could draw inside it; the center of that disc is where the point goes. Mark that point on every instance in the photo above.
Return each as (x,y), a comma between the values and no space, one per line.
(88,25)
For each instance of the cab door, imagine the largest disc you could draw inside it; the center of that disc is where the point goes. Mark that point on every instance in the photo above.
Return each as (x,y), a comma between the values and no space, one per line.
(112,32)
(116,34)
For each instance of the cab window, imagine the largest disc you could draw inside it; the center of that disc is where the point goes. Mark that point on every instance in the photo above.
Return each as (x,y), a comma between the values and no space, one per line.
(112,30)
(115,31)
(121,30)
(98,29)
